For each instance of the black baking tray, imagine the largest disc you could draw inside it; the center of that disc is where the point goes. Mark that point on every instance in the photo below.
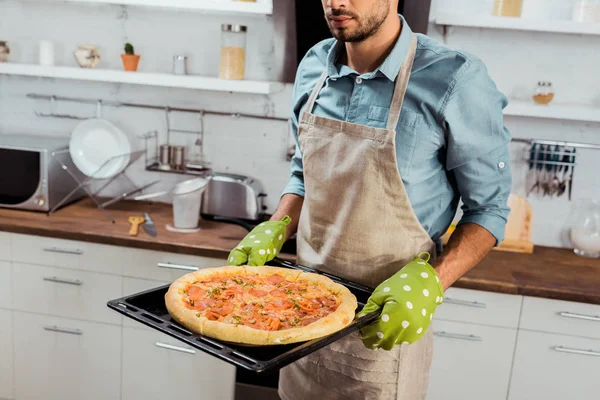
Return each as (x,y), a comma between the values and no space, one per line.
(148,307)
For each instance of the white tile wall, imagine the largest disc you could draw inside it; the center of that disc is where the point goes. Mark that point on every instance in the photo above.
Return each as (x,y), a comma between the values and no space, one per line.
(517,60)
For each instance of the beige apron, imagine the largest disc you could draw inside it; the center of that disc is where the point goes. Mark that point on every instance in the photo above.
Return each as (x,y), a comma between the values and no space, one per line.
(357,222)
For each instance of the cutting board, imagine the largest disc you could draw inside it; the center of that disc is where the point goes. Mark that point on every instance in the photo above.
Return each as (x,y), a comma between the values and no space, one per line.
(517,235)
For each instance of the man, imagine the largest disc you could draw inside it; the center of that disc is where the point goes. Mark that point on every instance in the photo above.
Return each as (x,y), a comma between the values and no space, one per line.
(393,129)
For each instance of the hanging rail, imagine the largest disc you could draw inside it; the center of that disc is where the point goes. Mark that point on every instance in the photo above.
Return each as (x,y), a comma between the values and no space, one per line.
(559,143)
(145,106)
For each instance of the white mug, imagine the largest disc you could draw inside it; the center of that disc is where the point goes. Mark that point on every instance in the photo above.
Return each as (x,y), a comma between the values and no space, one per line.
(46,52)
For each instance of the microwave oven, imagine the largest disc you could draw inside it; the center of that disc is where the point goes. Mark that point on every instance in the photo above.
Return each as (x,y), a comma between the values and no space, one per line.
(31,177)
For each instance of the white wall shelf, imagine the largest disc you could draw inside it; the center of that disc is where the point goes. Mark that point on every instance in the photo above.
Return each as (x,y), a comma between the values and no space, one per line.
(492,22)
(260,7)
(142,78)
(571,112)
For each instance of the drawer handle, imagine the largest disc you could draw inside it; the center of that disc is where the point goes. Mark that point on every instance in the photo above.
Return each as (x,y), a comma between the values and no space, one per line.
(176,348)
(579,316)
(177,266)
(457,336)
(63,251)
(576,351)
(464,302)
(64,330)
(75,282)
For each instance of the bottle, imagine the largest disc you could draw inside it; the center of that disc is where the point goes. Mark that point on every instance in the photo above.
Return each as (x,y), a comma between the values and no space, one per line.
(508,8)
(233,52)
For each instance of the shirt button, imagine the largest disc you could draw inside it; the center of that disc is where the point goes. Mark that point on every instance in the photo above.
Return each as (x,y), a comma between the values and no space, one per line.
(358,80)
(501,165)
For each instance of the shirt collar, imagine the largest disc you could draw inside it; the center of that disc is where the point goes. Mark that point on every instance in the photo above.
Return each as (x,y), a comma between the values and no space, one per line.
(390,67)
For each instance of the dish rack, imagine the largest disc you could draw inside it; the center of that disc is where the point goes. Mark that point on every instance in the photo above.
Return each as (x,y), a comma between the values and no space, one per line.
(93,184)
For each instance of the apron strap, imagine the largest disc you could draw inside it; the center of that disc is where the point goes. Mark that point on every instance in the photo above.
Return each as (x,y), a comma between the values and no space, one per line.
(401,84)
(313,96)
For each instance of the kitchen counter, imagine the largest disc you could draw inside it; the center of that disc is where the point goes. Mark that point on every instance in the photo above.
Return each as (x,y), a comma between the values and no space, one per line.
(548,272)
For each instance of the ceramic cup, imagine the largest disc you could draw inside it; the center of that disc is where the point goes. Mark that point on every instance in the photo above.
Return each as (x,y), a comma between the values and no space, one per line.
(87,56)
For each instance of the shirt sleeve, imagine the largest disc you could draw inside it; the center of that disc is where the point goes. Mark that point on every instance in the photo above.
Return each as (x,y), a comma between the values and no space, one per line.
(477,148)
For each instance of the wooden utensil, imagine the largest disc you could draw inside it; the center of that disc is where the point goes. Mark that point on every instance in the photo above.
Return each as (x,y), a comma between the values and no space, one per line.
(135,225)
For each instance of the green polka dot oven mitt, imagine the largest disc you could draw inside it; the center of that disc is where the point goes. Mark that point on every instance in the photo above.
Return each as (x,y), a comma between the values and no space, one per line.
(408,300)
(262,244)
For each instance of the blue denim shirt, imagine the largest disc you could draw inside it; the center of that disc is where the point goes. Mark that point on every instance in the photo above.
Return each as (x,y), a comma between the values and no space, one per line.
(451,142)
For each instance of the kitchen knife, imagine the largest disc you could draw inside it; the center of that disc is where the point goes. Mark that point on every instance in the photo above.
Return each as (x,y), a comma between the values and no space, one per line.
(149,226)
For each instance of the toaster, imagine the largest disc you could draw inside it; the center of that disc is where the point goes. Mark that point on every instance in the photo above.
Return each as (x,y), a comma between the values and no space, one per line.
(233,196)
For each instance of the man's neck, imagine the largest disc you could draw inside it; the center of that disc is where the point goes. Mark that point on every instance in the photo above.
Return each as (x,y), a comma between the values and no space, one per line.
(367,55)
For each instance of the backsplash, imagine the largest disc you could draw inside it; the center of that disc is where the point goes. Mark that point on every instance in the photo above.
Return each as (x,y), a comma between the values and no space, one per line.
(256,147)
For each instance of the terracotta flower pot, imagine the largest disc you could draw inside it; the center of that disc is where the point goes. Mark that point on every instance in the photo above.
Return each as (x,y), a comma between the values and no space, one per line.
(130,61)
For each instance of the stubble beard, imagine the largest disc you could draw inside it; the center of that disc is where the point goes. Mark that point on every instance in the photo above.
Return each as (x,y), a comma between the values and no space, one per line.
(367,26)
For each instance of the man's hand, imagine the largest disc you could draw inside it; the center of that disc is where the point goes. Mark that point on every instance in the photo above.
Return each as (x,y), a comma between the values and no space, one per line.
(409,298)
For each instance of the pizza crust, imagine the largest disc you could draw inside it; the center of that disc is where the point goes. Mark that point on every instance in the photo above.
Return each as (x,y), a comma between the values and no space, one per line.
(242,334)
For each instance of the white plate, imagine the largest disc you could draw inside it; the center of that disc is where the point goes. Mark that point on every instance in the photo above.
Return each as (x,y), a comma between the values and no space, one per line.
(93,142)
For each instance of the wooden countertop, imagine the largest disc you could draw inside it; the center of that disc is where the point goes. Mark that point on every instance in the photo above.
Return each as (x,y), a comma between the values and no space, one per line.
(548,272)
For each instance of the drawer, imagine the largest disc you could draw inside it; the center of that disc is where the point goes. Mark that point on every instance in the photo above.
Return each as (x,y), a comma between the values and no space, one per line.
(470,362)
(480,307)
(564,317)
(5,285)
(59,358)
(65,293)
(67,254)
(5,246)
(156,366)
(555,367)
(132,286)
(6,355)
(161,266)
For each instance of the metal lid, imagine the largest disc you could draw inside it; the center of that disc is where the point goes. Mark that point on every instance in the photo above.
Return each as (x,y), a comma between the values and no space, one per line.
(233,28)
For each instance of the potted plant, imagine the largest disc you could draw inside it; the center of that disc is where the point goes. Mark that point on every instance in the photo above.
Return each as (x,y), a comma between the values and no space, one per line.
(130,59)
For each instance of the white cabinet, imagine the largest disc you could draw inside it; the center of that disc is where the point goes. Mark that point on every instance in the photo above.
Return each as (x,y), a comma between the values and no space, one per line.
(480,307)
(156,366)
(563,317)
(67,254)
(59,359)
(5,285)
(470,362)
(65,292)
(6,355)
(5,246)
(555,367)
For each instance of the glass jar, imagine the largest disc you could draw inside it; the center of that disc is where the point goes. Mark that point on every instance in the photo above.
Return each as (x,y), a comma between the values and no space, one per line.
(508,8)
(543,93)
(233,52)
(583,228)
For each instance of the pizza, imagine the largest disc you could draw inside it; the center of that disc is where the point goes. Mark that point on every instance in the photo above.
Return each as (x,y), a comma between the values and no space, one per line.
(260,305)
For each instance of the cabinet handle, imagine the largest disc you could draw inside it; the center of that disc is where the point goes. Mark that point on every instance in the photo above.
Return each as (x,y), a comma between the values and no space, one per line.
(177,266)
(579,316)
(176,348)
(63,251)
(457,336)
(75,282)
(64,330)
(464,303)
(576,351)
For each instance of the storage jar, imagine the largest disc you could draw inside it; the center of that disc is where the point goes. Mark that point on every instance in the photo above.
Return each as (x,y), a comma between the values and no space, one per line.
(233,52)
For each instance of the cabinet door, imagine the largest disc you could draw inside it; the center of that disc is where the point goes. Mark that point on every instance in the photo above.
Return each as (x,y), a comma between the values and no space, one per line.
(65,292)
(5,253)
(6,355)
(5,285)
(470,362)
(156,366)
(555,367)
(59,359)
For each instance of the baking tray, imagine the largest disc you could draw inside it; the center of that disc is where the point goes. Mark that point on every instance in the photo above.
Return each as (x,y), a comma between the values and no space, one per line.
(148,307)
